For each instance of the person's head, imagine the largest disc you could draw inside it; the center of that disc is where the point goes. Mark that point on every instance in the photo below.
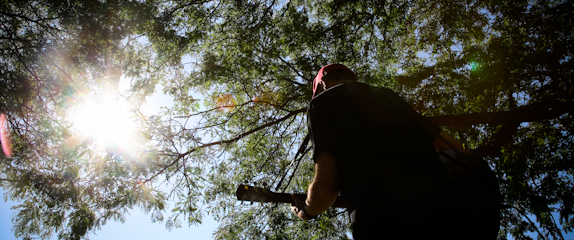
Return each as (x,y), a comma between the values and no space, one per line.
(331,75)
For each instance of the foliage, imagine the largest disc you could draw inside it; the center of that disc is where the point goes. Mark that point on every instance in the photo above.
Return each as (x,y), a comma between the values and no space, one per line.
(55,54)
(447,58)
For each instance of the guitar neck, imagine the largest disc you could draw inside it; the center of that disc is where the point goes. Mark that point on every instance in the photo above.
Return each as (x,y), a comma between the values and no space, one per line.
(286,198)
(256,194)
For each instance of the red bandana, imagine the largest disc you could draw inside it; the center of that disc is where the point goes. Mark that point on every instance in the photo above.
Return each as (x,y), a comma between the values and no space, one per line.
(319,78)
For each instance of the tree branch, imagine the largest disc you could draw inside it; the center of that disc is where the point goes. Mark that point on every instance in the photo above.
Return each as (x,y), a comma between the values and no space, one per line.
(37,21)
(510,120)
(530,113)
(10,180)
(237,138)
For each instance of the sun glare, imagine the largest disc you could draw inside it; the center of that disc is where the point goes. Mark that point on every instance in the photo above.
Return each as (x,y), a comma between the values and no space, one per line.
(107,120)
(4,135)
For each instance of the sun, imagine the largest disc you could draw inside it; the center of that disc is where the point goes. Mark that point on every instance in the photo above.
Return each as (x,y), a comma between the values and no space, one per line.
(107,119)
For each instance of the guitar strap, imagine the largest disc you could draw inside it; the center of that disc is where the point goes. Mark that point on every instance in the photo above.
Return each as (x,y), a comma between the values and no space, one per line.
(300,153)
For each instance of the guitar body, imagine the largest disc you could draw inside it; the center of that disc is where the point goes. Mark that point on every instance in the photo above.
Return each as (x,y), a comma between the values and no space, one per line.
(476,193)
(256,194)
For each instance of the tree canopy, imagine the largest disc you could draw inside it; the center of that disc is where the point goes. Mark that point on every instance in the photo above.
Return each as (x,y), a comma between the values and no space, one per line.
(497,75)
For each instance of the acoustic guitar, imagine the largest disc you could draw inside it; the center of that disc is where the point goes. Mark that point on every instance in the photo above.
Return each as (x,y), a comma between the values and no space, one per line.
(257,194)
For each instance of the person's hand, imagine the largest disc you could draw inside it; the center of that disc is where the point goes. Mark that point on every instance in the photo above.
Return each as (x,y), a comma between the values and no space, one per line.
(298,207)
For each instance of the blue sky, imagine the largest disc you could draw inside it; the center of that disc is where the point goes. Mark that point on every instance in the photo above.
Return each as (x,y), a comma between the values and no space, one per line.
(137,226)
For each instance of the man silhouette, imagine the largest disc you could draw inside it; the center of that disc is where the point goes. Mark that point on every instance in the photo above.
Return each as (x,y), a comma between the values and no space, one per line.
(374,149)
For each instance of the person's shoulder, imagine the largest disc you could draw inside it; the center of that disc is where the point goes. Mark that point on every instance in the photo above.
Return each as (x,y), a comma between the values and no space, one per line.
(382,90)
(350,90)
(357,88)
(335,92)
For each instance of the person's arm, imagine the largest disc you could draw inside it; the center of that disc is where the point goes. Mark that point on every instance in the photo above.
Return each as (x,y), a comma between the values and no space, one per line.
(439,144)
(323,191)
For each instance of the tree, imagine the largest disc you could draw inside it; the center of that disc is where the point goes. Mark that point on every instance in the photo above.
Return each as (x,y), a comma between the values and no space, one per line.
(519,64)
(497,75)
(54,54)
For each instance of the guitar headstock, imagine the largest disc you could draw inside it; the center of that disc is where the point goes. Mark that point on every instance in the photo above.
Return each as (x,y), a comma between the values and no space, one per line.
(254,194)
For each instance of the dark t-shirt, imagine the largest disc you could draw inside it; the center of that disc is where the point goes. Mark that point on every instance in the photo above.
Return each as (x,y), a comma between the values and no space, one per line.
(386,161)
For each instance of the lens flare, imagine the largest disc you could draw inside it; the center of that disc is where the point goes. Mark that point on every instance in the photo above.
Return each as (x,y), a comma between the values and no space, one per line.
(473,66)
(225,102)
(4,137)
